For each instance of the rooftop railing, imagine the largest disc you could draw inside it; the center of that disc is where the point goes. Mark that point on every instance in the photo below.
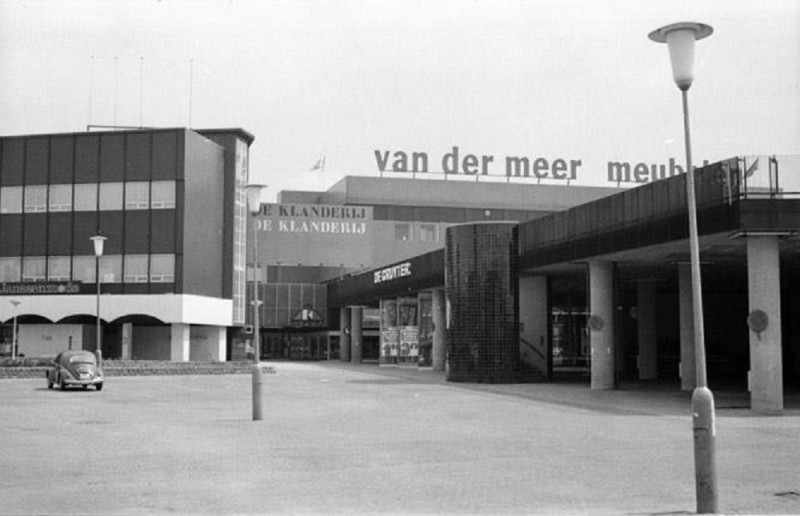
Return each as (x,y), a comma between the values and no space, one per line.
(717,184)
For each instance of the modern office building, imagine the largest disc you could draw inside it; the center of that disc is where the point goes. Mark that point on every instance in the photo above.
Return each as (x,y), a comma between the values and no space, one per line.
(171,205)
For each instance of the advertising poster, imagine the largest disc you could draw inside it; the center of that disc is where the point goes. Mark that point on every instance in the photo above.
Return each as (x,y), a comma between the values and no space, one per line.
(409,341)
(390,342)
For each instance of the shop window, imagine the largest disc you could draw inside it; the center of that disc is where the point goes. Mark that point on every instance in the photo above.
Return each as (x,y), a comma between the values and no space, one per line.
(60,198)
(110,196)
(58,268)
(85,197)
(402,231)
(11,199)
(110,269)
(10,269)
(83,268)
(163,195)
(428,232)
(33,268)
(35,199)
(162,268)
(137,195)
(135,268)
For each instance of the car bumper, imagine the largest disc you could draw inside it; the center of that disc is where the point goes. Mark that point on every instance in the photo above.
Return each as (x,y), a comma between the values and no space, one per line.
(87,381)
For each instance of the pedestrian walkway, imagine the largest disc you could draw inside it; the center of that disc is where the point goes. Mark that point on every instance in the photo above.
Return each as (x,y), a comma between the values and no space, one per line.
(634,398)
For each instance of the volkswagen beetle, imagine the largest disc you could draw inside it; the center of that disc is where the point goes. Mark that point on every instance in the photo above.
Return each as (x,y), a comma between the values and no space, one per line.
(75,368)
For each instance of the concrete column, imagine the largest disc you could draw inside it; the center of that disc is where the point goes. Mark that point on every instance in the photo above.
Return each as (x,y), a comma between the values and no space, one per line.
(688,366)
(533,318)
(179,342)
(356,340)
(344,339)
(601,324)
(127,339)
(646,324)
(764,286)
(219,343)
(439,330)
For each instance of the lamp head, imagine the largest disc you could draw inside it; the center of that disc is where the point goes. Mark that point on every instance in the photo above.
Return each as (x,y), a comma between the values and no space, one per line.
(98,241)
(680,38)
(254,198)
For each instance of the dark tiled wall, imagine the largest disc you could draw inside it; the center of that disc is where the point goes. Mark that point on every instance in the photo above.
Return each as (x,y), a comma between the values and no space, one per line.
(482,264)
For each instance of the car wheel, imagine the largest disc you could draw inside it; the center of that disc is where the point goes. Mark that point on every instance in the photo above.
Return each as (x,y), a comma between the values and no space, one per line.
(63,385)
(99,386)
(49,383)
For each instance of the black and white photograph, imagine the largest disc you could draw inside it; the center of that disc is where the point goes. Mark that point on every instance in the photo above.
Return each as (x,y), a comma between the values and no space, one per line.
(399,257)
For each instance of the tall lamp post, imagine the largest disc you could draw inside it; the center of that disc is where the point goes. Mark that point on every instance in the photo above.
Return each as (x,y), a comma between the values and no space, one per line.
(680,38)
(98,241)
(14,330)
(254,206)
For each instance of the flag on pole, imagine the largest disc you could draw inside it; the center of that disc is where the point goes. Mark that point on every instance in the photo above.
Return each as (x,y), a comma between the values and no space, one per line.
(319,165)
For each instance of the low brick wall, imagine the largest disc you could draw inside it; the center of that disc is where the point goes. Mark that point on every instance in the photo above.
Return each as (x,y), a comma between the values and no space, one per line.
(144,368)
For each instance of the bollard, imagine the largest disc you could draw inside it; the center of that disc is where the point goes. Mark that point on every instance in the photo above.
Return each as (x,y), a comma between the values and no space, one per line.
(705,437)
(257,392)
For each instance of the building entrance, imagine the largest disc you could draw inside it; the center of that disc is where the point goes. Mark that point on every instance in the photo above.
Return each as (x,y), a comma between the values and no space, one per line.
(570,340)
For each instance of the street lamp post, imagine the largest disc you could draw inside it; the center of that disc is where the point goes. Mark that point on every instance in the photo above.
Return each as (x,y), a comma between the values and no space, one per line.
(14,330)
(254,206)
(680,38)
(98,241)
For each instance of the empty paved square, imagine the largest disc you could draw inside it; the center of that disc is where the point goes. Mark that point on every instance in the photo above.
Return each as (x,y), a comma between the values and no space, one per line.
(359,440)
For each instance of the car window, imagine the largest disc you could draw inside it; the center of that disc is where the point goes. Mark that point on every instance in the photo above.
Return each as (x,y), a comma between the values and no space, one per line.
(81,359)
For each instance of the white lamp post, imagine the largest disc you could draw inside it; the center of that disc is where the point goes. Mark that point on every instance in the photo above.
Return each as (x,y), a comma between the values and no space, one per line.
(98,241)
(254,206)
(680,38)
(14,330)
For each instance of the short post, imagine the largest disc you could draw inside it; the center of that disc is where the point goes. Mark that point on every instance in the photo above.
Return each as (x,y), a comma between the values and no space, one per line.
(257,399)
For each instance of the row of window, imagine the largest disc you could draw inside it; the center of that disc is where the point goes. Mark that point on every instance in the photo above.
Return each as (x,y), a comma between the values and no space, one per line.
(426,232)
(130,268)
(130,195)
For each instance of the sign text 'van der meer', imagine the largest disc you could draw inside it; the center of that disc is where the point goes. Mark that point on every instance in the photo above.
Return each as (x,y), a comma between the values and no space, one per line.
(459,162)
(315,218)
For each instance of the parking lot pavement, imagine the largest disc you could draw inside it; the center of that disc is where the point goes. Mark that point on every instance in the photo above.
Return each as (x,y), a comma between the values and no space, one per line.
(352,440)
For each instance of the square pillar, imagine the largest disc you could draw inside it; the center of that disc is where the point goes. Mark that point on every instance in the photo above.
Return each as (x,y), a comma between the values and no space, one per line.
(180,337)
(439,330)
(601,324)
(533,318)
(344,339)
(127,339)
(356,340)
(646,328)
(764,288)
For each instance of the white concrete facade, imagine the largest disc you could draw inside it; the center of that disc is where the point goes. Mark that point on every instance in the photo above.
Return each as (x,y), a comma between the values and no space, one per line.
(205,321)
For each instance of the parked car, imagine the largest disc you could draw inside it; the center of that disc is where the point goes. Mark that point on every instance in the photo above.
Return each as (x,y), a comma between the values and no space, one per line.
(75,368)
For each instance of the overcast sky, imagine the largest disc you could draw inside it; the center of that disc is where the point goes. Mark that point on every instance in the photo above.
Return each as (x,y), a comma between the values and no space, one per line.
(574,79)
